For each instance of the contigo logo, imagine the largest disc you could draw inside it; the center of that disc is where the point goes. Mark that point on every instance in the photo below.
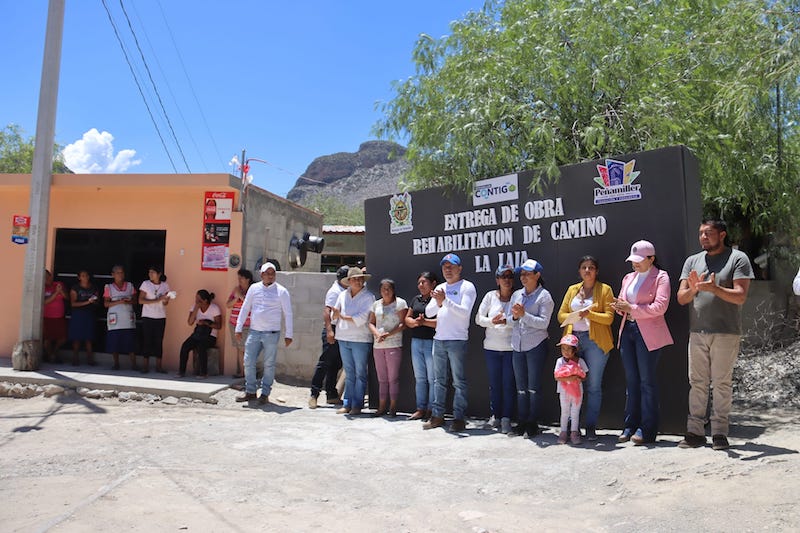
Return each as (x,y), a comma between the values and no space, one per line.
(500,189)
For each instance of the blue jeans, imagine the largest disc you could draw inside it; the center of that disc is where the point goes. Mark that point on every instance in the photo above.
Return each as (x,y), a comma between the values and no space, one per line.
(422,360)
(354,360)
(641,382)
(501,382)
(450,353)
(528,366)
(596,360)
(256,340)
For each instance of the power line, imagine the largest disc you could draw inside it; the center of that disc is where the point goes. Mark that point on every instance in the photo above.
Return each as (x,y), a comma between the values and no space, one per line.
(155,88)
(169,89)
(191,87)
(138,85)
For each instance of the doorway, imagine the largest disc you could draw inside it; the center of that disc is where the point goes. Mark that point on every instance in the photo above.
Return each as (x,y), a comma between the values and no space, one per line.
(98,250)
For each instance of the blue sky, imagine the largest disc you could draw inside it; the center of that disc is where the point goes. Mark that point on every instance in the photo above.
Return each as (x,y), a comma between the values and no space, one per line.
(288,81)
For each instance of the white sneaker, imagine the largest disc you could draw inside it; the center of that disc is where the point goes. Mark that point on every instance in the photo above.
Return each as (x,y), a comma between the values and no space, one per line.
(312,402)
(505,425)
(492,423)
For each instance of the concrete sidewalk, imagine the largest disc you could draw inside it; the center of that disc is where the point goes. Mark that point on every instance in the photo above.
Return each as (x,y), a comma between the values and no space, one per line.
(102,377)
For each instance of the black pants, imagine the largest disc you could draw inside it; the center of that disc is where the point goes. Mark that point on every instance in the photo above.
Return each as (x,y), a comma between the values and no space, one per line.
(199,346)
(153,336)
(328,366)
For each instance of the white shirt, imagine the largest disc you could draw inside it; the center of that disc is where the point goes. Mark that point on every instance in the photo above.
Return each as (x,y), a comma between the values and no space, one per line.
(498,336)
(211,313)
(332,295)
(358,308)
(265,304)
(386,318)
(452,320)
(151,291)
(796,284)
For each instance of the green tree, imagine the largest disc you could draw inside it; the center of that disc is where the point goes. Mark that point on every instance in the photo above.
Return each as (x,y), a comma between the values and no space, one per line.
(16,153)
(335,211)
(526,84)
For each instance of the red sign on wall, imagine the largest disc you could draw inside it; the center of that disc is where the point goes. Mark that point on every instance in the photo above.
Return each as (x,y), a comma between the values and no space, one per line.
(20,228)
(217,208)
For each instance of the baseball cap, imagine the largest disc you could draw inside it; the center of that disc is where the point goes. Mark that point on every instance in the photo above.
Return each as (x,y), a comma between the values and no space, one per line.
(503,268)
(531,265)
(451,258)
(641,250)
(569,340)
(342,272)
(266,266)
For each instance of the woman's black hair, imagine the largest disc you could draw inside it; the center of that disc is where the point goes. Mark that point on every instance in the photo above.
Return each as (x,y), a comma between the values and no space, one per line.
(655,262)
(390,283)
(430,276)
(246,274)
(592,259)
(161,277)
(205,295)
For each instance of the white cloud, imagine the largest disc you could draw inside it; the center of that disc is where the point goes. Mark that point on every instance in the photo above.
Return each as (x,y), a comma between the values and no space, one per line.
(94,154)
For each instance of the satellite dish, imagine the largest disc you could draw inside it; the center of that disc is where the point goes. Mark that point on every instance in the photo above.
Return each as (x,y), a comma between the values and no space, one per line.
(299,248)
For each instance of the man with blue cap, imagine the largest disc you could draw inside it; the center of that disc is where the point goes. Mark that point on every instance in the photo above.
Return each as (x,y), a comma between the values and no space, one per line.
(451,303)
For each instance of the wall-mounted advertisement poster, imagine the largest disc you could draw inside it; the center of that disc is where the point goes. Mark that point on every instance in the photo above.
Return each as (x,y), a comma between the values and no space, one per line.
(217,208)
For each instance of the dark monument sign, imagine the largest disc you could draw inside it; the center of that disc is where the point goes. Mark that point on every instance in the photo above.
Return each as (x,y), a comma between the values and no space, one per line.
(598,208)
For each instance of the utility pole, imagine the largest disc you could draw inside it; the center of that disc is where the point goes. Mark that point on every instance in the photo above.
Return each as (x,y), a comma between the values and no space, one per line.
(28,351)
(242,207)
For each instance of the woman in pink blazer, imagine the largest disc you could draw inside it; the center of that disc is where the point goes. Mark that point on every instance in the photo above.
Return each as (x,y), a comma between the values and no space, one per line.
(643,300)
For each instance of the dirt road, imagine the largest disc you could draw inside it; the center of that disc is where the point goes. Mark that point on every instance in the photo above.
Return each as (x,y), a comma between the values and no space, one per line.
(71,464)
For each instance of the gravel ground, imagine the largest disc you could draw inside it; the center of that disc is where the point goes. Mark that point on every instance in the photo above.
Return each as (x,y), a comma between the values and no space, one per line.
(74,464)
(768,376)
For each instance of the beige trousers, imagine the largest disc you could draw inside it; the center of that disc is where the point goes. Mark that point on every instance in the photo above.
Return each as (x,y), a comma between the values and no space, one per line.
(712,357)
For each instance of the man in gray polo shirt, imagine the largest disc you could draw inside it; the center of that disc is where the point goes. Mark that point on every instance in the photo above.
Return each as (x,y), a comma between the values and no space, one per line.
(715,281)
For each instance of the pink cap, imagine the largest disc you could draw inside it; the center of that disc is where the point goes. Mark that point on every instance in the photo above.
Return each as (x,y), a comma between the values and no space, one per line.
(569,340)
(641,250)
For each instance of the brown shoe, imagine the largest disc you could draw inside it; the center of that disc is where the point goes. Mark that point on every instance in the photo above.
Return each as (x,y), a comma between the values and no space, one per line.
(434,422)
(246,397)
(312,402)
(355,411)
(419,414)
(343,411)
(263,400)
(458,425)
(334,400)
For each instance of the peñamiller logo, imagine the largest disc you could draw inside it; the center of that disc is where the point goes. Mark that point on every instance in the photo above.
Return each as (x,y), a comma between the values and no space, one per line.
(616,182)
(493,190)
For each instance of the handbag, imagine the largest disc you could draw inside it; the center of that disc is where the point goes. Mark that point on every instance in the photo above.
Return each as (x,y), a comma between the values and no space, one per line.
(201,333)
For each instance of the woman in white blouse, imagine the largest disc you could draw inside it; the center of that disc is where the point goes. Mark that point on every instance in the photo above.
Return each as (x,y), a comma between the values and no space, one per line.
(386,322)
(352,311)
(494,314)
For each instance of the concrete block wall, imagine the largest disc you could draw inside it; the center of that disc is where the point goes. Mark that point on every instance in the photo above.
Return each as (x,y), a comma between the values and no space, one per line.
(266,211)
(296,363)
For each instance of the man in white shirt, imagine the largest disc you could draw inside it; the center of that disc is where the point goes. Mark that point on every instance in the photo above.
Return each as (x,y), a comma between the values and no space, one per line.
(265,302)
(452,303)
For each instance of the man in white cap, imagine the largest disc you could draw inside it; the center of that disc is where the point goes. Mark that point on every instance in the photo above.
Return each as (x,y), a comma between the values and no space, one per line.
(451,303)
(265,303)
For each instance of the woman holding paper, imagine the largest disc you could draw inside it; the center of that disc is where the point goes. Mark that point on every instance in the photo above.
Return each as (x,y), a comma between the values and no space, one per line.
(586,312)
(643,300)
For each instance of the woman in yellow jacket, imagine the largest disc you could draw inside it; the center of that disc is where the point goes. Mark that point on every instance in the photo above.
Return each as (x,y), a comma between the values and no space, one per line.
(592,299)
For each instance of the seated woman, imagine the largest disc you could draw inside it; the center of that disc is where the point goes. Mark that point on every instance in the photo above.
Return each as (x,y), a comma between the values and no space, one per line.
(206,318)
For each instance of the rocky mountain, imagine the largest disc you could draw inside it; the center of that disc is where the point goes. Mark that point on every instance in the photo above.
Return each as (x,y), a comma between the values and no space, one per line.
(374,170)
